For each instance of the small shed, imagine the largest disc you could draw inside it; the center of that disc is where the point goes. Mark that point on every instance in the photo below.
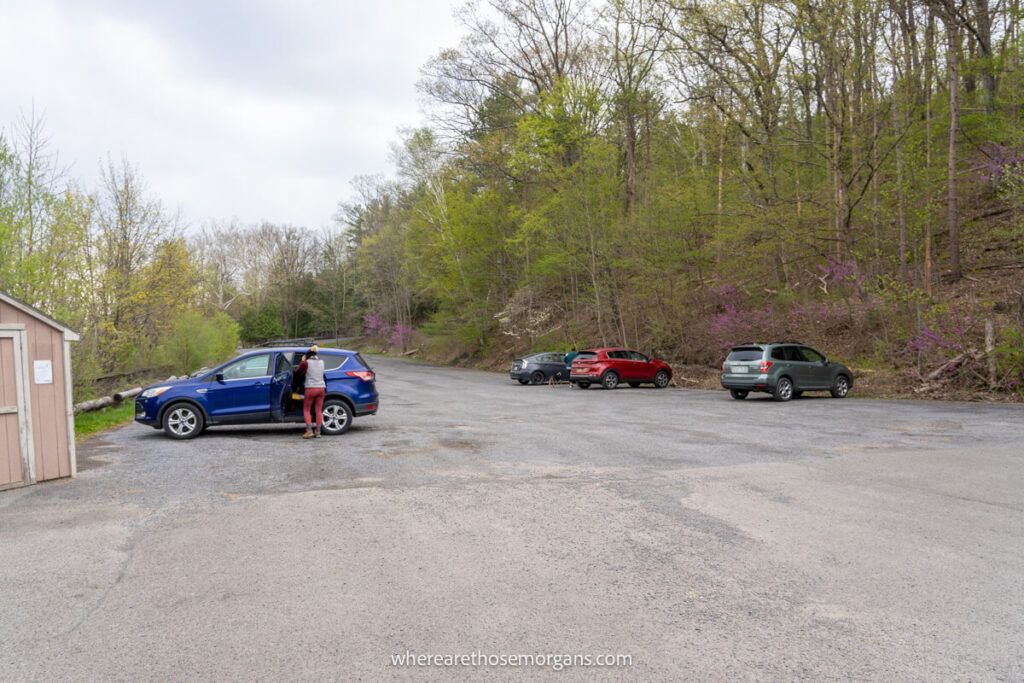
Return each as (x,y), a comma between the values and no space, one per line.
(37,424)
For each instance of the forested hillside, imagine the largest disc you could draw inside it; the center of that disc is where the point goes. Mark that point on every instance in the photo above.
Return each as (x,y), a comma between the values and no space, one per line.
(672,176)
(680,177)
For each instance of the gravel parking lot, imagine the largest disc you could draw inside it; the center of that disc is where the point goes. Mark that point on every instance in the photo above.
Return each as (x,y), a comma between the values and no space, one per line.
(703,537)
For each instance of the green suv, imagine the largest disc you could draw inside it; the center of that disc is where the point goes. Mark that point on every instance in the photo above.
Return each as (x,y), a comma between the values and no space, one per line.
(784,370)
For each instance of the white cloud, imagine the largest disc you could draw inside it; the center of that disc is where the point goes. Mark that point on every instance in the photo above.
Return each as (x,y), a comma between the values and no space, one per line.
(255,110)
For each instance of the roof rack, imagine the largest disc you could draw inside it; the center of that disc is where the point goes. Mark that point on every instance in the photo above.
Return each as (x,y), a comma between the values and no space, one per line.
(786,341)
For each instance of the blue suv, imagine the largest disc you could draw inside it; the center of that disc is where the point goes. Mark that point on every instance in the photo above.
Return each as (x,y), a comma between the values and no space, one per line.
(256,388)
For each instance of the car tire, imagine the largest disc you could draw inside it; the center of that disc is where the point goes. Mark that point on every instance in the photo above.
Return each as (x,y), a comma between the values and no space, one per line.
(337,417)
(537,377)
(610,379)
(738,394)
(524,381)
(661,379)
(583,385)
(783,389)
(840,387)
(183,421)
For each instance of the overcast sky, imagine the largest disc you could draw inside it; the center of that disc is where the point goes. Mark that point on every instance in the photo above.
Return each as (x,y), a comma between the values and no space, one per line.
(254,109)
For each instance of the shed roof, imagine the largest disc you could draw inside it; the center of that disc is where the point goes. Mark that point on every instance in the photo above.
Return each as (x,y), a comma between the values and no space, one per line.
(69,334)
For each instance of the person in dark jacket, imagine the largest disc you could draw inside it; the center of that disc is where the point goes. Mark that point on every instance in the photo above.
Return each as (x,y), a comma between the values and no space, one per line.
(298,380)
(568,362)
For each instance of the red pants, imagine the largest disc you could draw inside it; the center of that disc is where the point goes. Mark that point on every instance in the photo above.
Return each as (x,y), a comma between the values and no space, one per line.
(314,397)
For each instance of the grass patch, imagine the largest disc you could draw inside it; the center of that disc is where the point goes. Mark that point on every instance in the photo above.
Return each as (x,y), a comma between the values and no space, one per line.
(105,418)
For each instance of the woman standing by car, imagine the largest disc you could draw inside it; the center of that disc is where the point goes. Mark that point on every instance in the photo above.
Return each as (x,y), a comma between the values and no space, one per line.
(313,399)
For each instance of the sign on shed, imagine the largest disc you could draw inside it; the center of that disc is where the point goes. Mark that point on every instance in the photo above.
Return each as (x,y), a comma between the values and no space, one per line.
(37,429)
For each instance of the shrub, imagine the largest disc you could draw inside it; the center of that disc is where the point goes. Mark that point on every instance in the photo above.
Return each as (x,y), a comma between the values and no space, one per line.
(374,324)
(1010,358)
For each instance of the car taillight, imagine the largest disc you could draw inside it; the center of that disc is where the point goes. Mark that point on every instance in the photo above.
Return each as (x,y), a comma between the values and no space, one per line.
(724,368)
(765,364)
(365,375)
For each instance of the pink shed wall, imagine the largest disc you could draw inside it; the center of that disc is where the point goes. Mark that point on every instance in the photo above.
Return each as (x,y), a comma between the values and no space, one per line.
(48,401)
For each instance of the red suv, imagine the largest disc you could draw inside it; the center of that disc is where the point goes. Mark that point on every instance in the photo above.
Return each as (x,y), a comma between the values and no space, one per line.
(612,366)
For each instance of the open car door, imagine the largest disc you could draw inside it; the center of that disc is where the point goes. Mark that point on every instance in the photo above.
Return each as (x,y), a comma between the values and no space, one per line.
(281,388)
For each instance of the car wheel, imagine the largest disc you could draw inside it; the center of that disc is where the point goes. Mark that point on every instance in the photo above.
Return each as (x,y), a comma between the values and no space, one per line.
(840,387)
(183,421)
(662,379)
(610,379)
(738,394)
(537,377)
(337,417)
(634,384)
(524,381)
(583,385)
(783,389)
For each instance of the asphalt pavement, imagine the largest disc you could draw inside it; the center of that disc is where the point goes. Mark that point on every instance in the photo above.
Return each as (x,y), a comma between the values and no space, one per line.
(700,537)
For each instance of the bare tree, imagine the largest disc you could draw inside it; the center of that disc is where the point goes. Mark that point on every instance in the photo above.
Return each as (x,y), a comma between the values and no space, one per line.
(634,46)
(515,50)
(130,225)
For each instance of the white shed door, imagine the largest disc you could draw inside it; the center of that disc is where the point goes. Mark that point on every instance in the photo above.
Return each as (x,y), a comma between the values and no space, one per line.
(15,464)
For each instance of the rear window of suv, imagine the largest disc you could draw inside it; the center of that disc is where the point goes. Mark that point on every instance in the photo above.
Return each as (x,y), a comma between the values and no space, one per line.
(586,354)
(745,353)
(333,361)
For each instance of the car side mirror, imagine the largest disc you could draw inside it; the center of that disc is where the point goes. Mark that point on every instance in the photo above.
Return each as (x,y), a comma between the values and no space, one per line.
(220,377)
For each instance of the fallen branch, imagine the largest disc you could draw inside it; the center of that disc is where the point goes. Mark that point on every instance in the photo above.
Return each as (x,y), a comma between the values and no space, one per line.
(127,393)
(106,401)
(94,404)
(950,364)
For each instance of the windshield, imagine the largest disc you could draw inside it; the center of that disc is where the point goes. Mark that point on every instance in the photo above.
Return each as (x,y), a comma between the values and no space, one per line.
(745,353)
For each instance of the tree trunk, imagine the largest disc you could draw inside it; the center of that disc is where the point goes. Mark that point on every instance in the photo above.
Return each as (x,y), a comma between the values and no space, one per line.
(718,205)
(901,211)
(929,66)
(983,31)
(631,142)
(990,353)
(952,209)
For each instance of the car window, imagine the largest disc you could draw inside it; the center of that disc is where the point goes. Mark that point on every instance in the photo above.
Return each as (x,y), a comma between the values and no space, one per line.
(810,355)
(779,353)
(620,355)
(248,368)
(333,361)
(282,364)
(636,355)
(745,353)
(556,358)
(793,353)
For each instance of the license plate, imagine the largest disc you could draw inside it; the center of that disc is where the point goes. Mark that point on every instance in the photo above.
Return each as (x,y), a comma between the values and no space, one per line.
(739,369)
